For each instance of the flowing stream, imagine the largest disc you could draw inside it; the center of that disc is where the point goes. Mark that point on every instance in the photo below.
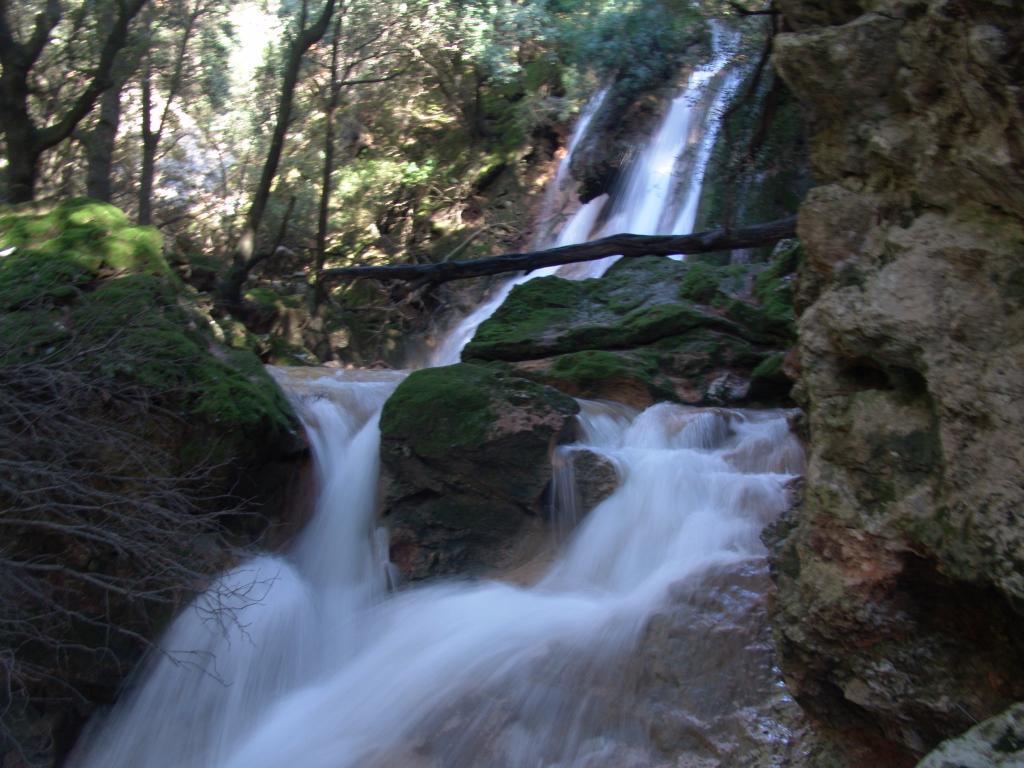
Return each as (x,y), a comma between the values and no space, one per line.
(310,658)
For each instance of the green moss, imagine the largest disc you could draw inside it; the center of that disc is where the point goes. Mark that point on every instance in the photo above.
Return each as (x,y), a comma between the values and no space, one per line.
(530,309)
(82,274)
(700,283)
(651,323)
(770,367)
(763,187)
(438,410)
(594,365)
(61,250)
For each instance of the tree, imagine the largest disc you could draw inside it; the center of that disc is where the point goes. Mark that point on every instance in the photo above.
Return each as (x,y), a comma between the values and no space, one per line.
(246,254)
(359,44)
(100,142)
(187,17)
(26,141)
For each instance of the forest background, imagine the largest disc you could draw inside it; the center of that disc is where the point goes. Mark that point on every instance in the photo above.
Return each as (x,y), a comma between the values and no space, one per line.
(282,138)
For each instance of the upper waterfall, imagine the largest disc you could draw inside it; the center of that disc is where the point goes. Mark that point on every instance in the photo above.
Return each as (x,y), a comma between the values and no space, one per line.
(659,193)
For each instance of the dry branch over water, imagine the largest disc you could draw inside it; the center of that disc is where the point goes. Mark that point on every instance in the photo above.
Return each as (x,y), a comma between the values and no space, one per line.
(624,245)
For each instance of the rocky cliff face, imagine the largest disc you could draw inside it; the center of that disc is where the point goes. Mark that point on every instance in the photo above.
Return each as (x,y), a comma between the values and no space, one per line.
(901,587)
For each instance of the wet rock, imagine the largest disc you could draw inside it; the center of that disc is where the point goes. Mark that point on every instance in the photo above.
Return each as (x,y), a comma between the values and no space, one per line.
(597,477)
(996,743)
(465,453)
(899,575)
(708,688)
(582,479)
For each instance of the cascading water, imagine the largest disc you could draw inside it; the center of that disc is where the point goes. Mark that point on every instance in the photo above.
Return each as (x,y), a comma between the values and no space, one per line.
(272,624)
(451,347)
(304,659)
(659,194)
(323,670)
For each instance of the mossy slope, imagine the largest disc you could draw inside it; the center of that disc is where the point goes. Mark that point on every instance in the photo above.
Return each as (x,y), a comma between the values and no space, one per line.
(78,277)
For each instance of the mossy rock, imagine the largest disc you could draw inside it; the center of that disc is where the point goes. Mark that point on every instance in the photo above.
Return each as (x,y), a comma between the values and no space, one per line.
(82,276)
(628,308)
(57,251)
(465,452)
(159,430)
(651,329)
(457,408)
(439,410)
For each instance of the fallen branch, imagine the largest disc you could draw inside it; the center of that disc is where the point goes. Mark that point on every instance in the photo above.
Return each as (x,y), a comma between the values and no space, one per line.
(624,245)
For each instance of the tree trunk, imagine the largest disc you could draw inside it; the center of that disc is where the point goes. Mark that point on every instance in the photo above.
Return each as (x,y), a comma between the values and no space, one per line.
(149,144)
(627,246)
(99,146)
(150,137)
(245,254)
(26,142)
(22,159)
(330,110)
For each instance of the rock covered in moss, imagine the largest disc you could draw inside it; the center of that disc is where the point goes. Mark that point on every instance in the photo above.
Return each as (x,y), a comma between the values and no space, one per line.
(652,329)
(161,421)
(996,743)
(81,269)
(466,451)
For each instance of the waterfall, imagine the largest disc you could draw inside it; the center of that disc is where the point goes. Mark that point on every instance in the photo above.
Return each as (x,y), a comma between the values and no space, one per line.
(306,659)
(450,349)
(658,195)
(272,624)
(324,670)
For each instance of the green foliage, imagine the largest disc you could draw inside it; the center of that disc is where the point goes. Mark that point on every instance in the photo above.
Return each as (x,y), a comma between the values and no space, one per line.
(638,42)
(81,269)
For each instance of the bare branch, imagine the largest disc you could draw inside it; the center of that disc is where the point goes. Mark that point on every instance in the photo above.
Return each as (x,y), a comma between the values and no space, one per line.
(624,245)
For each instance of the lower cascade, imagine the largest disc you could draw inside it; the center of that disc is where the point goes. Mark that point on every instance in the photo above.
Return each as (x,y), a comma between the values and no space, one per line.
(307,659)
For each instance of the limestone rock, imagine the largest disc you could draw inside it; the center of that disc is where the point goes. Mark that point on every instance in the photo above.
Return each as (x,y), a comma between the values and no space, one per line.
(465,453)
(996,743)
(900,578)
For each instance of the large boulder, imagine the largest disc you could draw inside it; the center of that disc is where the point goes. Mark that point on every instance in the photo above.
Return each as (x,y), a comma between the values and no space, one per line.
(137,454)
(652,329)
(900,579)
(466,460)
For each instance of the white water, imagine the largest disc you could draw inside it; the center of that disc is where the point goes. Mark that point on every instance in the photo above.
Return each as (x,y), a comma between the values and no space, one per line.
(272,624)
(450,349)
(661,190)
(320,669)
(659,194)
(305,659)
